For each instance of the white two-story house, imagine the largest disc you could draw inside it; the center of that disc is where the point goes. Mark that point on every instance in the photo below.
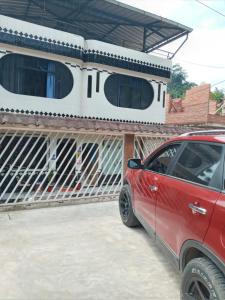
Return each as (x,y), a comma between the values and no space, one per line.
(47,73)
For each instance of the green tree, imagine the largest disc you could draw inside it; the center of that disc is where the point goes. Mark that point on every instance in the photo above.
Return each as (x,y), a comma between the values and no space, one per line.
(179,84)
(218,95)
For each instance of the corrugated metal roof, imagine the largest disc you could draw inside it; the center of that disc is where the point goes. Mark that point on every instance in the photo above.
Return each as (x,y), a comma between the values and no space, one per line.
(105,20)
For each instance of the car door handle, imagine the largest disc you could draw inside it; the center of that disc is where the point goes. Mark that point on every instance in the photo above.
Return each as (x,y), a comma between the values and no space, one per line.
(196,209)
(153,188)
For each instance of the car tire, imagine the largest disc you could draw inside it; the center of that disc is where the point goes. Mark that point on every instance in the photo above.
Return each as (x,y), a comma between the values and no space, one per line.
(201,279)
(126,209)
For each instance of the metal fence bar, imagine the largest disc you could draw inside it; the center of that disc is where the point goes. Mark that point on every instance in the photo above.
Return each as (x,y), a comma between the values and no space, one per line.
(117,175)
(110,168)
(139,148)
(17,170)
(2,138)
(82,152)
(11,167)
(6,148)
(79,181)
(39,175)
(20,167)
(63,160)
(107,163)
(88,165)
(11,153)
(47,162)
(67,177)
(103,149)
(51,180)
(30,164)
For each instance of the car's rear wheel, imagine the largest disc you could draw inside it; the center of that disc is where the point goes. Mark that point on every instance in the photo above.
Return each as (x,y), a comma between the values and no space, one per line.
(126,209)
(202,280)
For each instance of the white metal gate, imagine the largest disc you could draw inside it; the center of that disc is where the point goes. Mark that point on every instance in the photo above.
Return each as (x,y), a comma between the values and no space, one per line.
(48,166)
(144,145)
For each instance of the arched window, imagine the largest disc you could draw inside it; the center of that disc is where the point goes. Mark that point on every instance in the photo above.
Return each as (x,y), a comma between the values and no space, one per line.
(127,91)
(34,76)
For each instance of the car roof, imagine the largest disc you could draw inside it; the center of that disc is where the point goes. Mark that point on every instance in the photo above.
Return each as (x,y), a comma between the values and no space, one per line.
(215,138)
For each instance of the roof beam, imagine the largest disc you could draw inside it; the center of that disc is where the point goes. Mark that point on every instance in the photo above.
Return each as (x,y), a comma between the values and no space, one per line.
(158,33)
(81,9)
(169,40)
(110,31)
(148,26)
(115,17)
(165,27)
(144,39)
(45,9)
(27,9)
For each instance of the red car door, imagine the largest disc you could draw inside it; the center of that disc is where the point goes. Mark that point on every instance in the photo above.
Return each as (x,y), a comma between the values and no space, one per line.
(145,197)
(145,185)
(186,197)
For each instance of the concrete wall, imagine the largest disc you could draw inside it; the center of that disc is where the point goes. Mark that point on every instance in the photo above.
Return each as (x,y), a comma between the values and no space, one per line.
(77,103)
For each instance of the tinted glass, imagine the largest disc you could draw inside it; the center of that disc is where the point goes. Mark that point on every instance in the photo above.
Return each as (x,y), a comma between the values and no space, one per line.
(27,75)
(129,92)
(161,162)
(199,163)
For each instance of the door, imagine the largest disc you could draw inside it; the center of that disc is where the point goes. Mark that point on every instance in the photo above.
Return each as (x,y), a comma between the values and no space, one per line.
(147,182)
(186,198)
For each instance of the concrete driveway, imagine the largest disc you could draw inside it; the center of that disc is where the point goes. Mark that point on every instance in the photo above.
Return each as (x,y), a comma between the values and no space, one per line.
(80,252)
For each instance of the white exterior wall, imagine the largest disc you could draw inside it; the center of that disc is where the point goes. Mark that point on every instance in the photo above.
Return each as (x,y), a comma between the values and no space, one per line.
(77,103)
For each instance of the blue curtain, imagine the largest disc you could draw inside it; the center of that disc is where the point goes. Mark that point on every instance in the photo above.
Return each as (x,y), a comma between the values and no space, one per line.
(50,87)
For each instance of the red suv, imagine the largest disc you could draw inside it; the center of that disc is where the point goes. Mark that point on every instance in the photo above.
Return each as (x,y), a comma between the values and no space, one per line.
(178,195)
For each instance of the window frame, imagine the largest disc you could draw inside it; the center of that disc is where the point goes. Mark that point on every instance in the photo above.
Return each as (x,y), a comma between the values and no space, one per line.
(158,152)
(38,70)
(116,100)
(221,168)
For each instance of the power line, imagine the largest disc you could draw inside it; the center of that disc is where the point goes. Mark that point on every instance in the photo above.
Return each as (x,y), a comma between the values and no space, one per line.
(217,83)
(201,65)
(209,7)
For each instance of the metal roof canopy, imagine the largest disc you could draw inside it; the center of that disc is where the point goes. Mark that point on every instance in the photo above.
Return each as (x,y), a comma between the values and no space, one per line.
(106,20)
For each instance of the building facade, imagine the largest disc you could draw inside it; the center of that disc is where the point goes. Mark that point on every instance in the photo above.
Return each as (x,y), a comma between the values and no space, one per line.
(73,110)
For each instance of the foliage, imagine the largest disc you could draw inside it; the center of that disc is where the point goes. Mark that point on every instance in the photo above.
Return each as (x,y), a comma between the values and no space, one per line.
(179,84)
(218,95)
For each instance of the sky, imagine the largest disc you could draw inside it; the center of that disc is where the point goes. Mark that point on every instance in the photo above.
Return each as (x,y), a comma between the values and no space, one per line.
(203,55)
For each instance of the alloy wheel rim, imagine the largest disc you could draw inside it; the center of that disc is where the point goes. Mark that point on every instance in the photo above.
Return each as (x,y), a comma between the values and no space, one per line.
(197,290)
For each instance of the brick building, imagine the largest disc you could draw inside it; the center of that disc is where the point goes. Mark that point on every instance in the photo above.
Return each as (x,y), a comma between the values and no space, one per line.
(197,107)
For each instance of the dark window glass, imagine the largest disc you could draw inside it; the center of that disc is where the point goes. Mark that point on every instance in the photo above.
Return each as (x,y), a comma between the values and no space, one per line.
(199,163)
(129,92)
(161,162)
(159,91)
(97,82)
(164,98)
(27,75)
(89,89)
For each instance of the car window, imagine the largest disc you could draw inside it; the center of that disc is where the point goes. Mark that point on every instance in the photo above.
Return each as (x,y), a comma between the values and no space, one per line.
(161,162)
(199,163)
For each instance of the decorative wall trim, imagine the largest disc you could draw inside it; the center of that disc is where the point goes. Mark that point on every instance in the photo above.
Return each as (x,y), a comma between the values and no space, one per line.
(108,72)
(125,63)
(30,41)
(88,69)
(42,44)
(70,116)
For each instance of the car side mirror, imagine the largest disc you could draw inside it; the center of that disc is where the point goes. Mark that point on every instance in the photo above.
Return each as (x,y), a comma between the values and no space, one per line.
(135,163)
